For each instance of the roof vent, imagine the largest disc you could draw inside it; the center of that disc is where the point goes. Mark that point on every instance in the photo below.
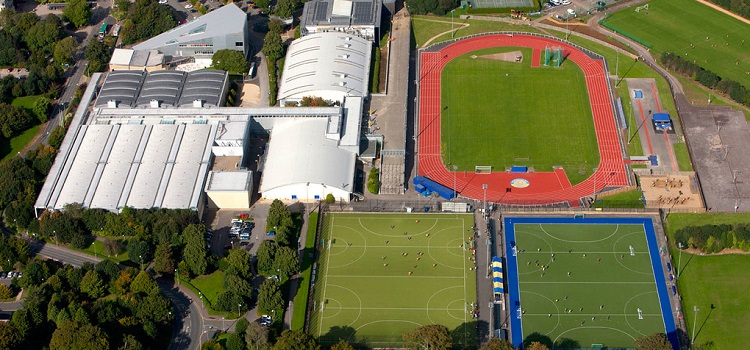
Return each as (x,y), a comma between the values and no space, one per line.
(197,103)
(342,83)
(344,56)
(343,75)
(155,103)
(347,45)
(348,38)
(112,104)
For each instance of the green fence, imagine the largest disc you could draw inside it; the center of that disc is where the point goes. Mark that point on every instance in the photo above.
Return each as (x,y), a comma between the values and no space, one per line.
(628,35)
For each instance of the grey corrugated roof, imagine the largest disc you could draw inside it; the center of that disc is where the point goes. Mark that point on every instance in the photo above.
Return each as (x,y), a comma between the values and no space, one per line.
(121,86)
(204,85)
(163,86)
(225,21)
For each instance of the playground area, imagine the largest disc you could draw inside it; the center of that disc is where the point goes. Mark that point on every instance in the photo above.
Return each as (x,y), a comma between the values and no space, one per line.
(379,275)
(586,282)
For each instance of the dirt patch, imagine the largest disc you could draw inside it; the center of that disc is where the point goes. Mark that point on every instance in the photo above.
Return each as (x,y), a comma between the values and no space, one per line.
(670,191)
(249,95)
(513,56)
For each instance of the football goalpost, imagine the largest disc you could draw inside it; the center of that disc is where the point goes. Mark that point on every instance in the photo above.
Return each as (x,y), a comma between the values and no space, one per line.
(483,169)
(639,8)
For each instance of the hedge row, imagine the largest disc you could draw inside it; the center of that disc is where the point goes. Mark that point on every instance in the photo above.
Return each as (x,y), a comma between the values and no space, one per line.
(714,238)
(707,78)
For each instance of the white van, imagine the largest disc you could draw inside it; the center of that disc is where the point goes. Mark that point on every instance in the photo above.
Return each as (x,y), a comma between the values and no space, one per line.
(571,12)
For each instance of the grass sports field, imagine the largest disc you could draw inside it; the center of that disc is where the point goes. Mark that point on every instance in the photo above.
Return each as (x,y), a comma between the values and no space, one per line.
(716,284)
(588,287)
(675,25)
(538,117)
(384,274)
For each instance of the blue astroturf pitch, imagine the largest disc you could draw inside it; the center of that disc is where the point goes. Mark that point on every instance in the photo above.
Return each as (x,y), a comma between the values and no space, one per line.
(578,282)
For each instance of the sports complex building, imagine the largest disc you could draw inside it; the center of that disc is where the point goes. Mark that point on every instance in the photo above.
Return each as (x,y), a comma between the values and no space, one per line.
(165,139)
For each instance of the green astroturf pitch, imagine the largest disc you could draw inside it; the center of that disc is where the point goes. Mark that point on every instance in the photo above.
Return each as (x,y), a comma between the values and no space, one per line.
(538,117)
(676,25)
(580,285)
(363,277)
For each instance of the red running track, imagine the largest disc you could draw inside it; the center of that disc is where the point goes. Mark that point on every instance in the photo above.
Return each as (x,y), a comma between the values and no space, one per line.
(544,188)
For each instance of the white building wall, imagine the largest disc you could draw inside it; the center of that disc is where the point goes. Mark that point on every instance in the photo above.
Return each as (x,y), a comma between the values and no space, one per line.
(304,193)
(229,199)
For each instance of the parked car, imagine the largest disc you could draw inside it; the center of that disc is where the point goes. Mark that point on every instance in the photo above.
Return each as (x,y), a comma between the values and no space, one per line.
(188,6)
(266,321)
(162,1)
(566,2)
(19,275)
(572,12)
(11,274)
(3,274)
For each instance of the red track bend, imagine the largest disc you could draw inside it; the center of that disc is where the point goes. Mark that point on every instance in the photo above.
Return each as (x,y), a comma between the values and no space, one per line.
(545,187)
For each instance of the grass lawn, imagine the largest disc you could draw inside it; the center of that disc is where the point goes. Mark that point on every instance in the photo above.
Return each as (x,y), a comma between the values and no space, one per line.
(675,25)
(26,102)
(682,155)
(580,284)
(714,280)
(542,114)
(97,249)
(301,298)
(384,274)
(425,27)
(210,285)
(16,144)
(629,199)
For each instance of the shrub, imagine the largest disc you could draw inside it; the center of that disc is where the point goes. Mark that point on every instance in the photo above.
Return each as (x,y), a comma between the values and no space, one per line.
(373,181)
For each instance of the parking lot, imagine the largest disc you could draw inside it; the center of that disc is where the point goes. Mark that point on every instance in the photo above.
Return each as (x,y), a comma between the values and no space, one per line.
(221,221)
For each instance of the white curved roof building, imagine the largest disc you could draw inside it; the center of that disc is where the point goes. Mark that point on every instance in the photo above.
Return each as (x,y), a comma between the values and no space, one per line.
(303,164)
(330,65)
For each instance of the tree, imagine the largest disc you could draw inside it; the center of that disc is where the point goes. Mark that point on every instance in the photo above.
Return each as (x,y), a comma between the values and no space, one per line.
(211,345)
(64,49)
(239,261)
(537,346)
(5,292)
(285,8)
(273,47)
(285,262)
(41,38)
(235,342)
(342,345)
(265,255)
(241,326)
(77,12)
(269,296)
(330,199)
(130,342)
(256,337)
(163,260)
(498,344)
(195,249)
(92,284)
(13,120)
(143,283)
(73,336)
(98,55)
(9,338)
(295,340)
(139,252)
(231,61)
(41,109)
(431,336)
(656,341)
(373,181)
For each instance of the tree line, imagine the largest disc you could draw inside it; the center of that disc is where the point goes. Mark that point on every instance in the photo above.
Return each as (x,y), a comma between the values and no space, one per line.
(707,78)
(93,307)
(740,7)
(144,19)
(715,238)
(437,7)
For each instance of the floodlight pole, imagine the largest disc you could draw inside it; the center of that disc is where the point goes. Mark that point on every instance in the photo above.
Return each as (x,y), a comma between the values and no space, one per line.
(595,169)
(695,320)
(484,205)
(454,167)
(679,261)
(452,32)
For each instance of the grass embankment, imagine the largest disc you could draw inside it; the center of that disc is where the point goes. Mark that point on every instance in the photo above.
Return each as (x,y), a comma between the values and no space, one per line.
(301,298)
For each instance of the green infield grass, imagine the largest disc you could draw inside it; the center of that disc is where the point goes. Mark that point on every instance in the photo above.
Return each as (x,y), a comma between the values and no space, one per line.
(581,285)
(503,114)
(712,39)
(379,275)
(716,285)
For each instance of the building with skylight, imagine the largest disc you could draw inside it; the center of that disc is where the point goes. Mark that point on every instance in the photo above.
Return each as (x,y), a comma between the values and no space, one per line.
(225,28)
(356,17)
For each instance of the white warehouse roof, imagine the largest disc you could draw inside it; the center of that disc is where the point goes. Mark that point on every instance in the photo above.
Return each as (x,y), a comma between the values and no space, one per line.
(299,153)
(326,62)
(140,166)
